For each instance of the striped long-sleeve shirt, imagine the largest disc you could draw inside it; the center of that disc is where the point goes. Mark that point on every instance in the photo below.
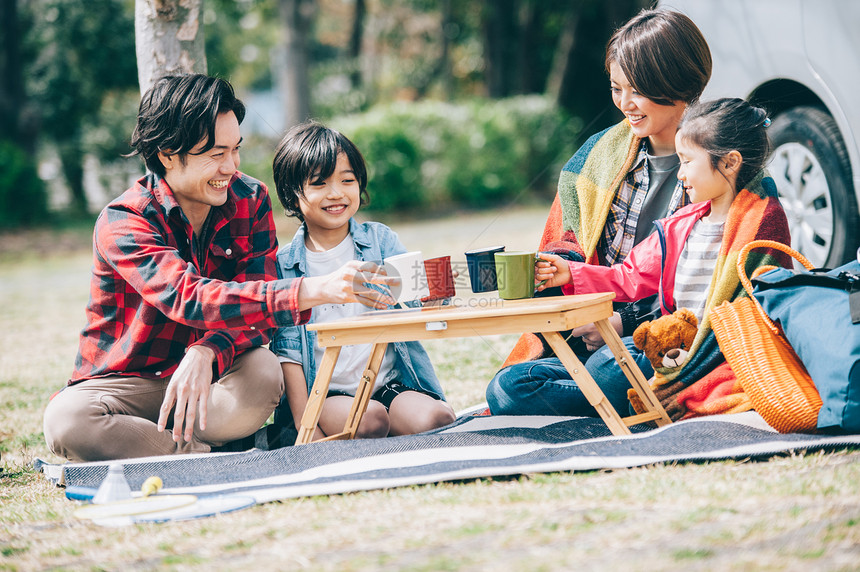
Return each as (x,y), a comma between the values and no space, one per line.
(695,268)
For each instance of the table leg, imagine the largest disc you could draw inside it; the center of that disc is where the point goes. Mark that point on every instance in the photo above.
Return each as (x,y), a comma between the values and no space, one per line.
(311,416)
(586,383)
(632,371)
(364,390)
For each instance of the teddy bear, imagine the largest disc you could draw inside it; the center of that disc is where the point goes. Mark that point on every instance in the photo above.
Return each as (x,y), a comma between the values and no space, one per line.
(666,343)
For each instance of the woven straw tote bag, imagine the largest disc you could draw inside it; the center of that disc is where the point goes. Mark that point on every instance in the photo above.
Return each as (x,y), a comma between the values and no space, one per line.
(768,369)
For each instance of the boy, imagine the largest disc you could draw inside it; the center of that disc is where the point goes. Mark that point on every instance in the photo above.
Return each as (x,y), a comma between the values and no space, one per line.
(321,179)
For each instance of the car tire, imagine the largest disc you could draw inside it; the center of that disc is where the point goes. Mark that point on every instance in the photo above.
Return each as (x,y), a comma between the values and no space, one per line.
(813,176)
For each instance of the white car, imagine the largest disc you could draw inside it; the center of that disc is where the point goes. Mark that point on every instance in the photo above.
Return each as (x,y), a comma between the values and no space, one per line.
(800,60)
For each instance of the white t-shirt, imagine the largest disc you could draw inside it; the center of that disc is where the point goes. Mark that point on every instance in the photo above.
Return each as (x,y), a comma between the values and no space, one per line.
(353,359)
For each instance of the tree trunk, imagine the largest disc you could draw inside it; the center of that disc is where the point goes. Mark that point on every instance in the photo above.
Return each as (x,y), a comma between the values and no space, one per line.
(17,122)
(292,72)
(355,42)
(530,21)
(448,28)
(72,163)
(563,58)
(578,81)
(619,11)
(10,74)
(168,39)
(500,45)
(442,67)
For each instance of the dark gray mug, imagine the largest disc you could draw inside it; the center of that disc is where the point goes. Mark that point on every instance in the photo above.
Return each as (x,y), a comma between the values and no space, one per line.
(482,268)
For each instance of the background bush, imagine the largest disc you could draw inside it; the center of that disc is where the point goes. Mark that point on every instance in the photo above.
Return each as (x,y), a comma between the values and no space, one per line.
(430,156)
(23,200)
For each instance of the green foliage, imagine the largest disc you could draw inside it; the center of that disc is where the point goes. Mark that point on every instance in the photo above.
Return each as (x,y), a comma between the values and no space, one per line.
(23,200)
(241,39)
(257,154)
(108,134)
(84,50)
(394,164)
(83,54)
(431,155)
(332,93)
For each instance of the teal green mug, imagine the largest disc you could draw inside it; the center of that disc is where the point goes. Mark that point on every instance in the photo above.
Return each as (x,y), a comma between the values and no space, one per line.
(515,274)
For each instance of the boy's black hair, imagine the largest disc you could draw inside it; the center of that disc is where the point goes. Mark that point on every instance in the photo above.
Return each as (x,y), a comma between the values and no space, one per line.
(177,113)
(729,124)
(309,151)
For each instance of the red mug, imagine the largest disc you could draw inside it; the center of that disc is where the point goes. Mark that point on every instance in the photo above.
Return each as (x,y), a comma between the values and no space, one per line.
(440,278)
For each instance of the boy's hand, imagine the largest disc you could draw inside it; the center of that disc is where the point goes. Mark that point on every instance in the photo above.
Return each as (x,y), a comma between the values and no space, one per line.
(552,270)
(348,284)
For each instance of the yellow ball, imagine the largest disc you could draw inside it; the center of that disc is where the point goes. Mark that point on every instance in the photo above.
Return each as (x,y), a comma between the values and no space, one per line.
(151,486)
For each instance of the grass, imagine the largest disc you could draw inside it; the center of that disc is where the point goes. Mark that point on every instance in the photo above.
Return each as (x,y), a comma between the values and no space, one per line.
(795,512)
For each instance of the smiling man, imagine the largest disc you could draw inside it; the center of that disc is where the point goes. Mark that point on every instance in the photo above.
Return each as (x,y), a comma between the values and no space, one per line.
(184,293)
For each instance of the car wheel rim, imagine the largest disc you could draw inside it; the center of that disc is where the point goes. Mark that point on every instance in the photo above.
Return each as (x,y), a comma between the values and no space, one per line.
(805,196)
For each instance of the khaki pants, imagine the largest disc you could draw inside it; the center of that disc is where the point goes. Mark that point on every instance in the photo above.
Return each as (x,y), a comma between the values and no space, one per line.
(115,418)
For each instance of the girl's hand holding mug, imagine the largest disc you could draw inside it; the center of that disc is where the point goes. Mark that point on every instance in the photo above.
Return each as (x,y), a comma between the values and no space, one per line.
(551,270)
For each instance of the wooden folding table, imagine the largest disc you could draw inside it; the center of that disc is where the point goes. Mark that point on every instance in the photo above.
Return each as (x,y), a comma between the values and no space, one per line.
(481,317)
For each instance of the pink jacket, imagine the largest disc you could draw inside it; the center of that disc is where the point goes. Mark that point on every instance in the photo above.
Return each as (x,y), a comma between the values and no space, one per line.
(648,269)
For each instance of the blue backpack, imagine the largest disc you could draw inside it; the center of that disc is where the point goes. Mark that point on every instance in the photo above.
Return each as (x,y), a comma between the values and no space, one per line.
(819,311)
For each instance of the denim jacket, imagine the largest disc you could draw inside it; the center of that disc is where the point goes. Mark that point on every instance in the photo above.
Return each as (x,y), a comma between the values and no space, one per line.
(373,241)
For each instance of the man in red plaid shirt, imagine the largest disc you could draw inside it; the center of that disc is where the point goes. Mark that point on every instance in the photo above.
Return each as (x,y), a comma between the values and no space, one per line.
(184,292)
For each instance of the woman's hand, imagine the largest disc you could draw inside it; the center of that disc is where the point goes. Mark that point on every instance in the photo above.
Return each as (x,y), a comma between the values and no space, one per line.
(592,337)
(552,270)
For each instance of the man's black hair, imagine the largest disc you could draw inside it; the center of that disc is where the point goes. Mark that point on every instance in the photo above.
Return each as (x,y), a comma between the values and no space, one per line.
(179,112)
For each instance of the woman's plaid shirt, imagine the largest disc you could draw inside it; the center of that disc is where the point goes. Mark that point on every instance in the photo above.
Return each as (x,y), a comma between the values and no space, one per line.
(155,292)
(619,231)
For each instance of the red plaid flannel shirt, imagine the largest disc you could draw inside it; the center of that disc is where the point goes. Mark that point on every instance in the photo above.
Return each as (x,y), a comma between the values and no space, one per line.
(154,294)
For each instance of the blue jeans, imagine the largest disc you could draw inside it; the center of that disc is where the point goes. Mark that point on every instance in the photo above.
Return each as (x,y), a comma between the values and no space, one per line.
(545,387)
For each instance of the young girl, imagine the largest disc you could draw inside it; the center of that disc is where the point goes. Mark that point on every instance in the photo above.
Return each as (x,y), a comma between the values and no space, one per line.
(321,179)
(609,193)
(690,260)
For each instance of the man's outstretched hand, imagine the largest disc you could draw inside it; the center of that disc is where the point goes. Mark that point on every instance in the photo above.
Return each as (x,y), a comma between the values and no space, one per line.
(348,284)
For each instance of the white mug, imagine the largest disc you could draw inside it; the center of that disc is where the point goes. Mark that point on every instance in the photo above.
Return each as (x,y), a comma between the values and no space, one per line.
(409,267)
